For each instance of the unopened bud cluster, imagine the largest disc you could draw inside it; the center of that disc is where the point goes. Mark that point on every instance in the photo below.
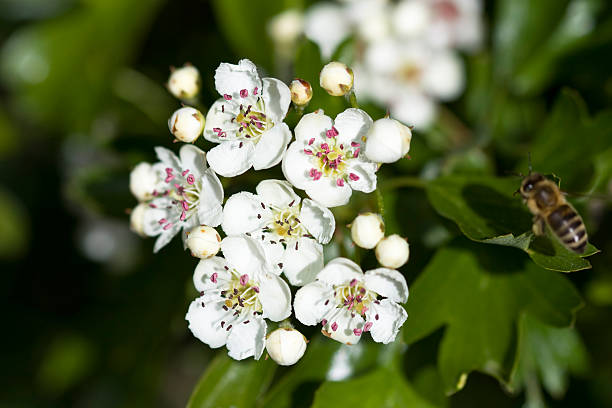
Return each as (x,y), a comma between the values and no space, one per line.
(368,231)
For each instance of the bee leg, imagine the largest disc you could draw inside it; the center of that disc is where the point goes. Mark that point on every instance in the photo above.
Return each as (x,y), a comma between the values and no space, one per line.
(538,225)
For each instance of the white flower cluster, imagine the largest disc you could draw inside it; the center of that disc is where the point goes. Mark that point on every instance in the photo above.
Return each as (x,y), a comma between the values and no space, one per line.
(407,59)
(273,235)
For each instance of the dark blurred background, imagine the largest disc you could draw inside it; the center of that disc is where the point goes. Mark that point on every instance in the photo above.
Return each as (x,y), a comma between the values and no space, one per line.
(91,318)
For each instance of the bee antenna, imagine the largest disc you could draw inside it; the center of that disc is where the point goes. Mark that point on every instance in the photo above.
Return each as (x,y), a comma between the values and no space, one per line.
(515,174)
(529,161)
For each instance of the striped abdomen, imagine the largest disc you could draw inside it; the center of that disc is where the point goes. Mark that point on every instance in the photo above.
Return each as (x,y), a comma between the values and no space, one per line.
(568,226)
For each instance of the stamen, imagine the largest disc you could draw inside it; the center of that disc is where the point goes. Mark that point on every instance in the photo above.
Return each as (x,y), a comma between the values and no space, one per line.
(167,226)
(357,332)
(367,326)
(340,182)
(334,326)
(244,93)
(311,141)
(353,176)
(213,277)
(190,179)
(227,97)
(353,282)
(244,279)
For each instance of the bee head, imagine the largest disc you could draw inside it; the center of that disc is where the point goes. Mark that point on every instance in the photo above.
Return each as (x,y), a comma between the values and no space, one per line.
(528,184)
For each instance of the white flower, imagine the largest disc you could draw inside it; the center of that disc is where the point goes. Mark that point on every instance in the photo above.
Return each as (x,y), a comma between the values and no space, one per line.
(409,77)
(191,194)
(387,141)
(203,241)
(370,18)
(286,346)
(456,23)
(184,82)
(236,295)
(291,232)
(247,121)
(285,28)
(336,78)
(327,26)
(186,124)
(392,251)
(367,229)
(326,158)
(348,302)
(145,178)
(301,92)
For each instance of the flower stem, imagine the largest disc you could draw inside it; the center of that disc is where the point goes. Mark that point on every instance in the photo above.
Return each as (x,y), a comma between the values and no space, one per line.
(353,99)
(381,203)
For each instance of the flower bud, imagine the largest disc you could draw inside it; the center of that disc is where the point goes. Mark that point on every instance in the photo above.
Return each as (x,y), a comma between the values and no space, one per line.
(286,346)
(336,78)
(203,241)
(367,229)
(184,83)
(137,219)
(392,251)
(301,92)
(387,141)
(186,124)
(143,181)
(285,28)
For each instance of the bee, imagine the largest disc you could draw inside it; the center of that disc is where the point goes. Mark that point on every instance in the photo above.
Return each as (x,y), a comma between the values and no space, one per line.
(548,206)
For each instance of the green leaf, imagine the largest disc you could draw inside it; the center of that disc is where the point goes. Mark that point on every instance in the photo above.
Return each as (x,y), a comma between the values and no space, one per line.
(486,211)
(14,226)
(518,20)
(548,355)
(478,293)
(384,387)
(326,359)
(227,383)
(568,141)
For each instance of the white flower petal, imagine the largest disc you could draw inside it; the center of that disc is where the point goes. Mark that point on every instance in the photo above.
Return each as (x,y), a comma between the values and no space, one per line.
(318,220)
(388,283)
(391,317)
(296,165)
(310,302)
(205,321)
(220,116)
(278,193)
(203,275)
(246,340)
(302,265)
(155,211)
(240,214)
(366,173)
(231,158)
(193,159)
(414,108)
(327,25)
(327,193)
(352,125)
(340,271)
(210,211)
(271,147)
(168,158)
(311,125)
(277,97)
(275,297)
(230,79)
(346,324)
(165,237)
(244,254)
(274,251)
(444,77)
